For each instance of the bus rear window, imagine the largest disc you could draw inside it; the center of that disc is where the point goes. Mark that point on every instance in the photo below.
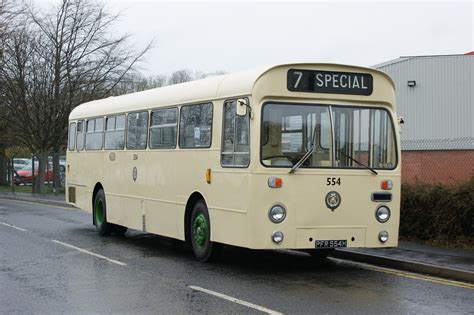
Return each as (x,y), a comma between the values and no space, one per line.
(72,136)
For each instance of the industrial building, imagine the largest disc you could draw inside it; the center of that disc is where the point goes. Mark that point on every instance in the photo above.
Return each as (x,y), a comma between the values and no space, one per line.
(435,96)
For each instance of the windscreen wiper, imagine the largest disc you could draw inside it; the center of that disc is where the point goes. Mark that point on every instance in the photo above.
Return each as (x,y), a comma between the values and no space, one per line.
(303,159)
(307,154)
(361,164)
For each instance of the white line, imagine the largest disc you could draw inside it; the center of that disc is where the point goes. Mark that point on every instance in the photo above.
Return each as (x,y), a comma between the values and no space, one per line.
(13,227)
(235,300)
(90,253)
(406,274)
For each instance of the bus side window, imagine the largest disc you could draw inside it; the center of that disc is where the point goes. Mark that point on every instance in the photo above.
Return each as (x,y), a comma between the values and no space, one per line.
(115,132)
(80,136)
(137,129)
(163,127)
(235,137)
(195,126)
(94,134)
(72,136)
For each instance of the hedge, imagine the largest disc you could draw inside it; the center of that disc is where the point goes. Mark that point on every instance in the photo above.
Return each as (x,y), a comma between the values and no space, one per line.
(438,213)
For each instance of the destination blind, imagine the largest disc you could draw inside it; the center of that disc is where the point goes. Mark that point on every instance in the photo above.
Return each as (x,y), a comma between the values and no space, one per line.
(329,82)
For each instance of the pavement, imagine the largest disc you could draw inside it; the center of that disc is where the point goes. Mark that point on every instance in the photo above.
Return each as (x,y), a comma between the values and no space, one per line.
(453,264)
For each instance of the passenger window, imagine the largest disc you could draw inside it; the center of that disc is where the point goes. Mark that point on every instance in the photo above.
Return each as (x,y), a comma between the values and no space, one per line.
(115,133)
(137,128)
(72,136)
(195,126)
(94,134)
(235,137)
(163,128)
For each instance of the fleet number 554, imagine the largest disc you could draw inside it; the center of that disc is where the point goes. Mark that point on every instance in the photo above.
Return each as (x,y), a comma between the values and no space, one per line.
(332,181)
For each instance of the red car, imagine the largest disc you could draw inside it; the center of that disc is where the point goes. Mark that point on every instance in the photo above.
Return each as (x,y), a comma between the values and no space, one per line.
(26,172)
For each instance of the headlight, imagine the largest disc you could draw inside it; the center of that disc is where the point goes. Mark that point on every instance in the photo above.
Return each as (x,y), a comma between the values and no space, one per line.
(383,236)
(382,214)
(277,213)
(277,237)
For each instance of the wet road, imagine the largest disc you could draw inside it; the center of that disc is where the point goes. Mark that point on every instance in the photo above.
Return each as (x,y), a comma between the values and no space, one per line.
(52,261)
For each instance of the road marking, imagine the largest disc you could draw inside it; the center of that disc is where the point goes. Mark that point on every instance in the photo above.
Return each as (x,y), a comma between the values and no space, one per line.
(90,253)
(13,227)
(235,300)
(407,274)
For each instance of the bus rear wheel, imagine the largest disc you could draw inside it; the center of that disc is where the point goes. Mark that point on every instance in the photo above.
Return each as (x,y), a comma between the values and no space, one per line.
(200,232)
(100,214)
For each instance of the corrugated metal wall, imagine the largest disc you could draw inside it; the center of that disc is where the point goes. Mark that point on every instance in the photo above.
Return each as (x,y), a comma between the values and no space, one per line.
(439,110)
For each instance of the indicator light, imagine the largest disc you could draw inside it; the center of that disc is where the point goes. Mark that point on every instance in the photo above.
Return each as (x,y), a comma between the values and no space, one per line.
(208,175)
(386,184)
(275,182)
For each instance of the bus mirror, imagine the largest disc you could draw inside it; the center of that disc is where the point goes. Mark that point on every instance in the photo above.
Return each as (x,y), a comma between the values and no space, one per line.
(241,109)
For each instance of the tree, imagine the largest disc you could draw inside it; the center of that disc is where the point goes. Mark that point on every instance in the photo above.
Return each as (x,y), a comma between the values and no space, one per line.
(136,82)
(8,13)
(180,76)
(55,62)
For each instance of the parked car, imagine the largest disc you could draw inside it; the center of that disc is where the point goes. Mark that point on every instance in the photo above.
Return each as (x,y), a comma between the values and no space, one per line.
(19,163)
(26,174)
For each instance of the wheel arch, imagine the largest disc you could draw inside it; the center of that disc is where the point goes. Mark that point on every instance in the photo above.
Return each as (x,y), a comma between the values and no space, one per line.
(195,197)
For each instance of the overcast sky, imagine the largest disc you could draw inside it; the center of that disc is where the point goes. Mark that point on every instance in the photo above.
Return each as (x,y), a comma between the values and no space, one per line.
(232,36)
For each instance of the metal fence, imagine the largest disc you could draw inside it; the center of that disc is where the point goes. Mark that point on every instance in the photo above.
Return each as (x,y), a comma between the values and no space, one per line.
(438,161)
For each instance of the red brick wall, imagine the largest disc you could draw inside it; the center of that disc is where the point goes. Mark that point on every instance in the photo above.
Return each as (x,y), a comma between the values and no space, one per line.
(437,167)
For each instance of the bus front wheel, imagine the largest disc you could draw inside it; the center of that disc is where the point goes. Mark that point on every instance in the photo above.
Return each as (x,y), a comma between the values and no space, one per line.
(100,214)
(200,232)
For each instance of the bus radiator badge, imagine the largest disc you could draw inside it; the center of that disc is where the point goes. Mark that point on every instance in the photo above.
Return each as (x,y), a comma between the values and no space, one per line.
(333,200)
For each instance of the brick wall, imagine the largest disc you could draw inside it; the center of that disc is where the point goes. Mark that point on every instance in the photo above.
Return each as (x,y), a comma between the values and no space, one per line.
(437,167)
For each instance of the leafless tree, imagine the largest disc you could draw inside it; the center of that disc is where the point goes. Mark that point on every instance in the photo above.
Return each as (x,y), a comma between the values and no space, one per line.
(180,76)
(202,75)
(8,14)
(136,82)
(56,61)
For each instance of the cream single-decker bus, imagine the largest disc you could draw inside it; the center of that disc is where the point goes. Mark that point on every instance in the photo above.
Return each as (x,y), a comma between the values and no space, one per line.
(294,156)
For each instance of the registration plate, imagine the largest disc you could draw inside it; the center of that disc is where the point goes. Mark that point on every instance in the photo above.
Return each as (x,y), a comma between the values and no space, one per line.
(331,243)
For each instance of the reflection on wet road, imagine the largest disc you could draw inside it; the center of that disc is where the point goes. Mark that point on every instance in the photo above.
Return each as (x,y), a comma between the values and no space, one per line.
(52,261)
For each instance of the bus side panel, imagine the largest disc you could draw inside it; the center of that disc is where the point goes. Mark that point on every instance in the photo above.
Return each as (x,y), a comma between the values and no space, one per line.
(228,208)
(160,208)
(83,174)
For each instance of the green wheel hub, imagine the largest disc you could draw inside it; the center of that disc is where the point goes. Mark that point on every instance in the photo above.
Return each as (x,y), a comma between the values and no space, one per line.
(200,230)
(99,213)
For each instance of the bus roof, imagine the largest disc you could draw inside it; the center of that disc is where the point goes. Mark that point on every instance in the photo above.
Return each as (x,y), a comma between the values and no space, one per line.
(213,87)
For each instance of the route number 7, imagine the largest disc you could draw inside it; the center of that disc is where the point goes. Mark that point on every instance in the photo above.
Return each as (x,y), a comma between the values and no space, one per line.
(298,79)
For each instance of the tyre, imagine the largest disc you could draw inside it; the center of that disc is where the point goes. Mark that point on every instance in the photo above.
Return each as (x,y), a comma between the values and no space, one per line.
(100,214)
(200,232)
(320,253)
